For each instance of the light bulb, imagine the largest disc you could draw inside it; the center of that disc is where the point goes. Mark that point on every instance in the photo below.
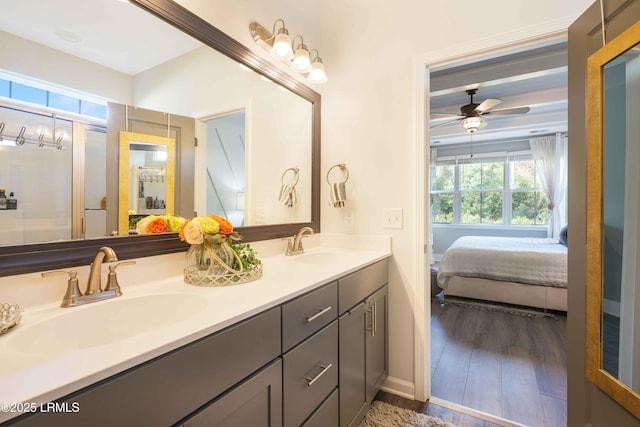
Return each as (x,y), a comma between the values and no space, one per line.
(282,46)
(301,62)
(317,74)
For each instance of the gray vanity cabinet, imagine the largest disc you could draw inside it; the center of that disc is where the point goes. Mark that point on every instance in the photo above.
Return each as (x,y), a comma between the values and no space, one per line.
(316,360)
(377,350)
(165,390)
(256,402)
(363,340)
(310,354)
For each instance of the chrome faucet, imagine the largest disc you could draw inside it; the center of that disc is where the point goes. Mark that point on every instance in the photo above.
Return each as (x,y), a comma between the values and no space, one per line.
(294,245)
(94,285)
(94,291)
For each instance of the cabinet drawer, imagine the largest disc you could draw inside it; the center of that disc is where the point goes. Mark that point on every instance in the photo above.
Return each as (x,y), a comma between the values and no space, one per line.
(307,314)
(357,286)
(310,373)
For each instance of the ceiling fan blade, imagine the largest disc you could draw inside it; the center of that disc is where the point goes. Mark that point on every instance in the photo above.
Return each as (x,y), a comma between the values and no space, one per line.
(488,104)
(507,111)
(444,123)
(439,113)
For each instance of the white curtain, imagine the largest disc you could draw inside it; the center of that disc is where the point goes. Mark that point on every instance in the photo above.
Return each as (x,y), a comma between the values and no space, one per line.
(550,153)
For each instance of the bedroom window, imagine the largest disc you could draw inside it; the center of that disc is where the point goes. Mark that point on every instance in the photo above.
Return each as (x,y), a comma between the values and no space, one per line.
(492,190)
(528,202)
(481,192)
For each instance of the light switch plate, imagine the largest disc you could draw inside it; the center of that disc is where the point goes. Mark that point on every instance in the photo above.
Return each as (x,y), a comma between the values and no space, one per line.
(392,218)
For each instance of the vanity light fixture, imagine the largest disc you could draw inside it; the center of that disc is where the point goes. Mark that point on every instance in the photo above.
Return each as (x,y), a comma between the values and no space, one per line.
(297,55)
(281,48)
(301,62)
(317,74)
(473,123)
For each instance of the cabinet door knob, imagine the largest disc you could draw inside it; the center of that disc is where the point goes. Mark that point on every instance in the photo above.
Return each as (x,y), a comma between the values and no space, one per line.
(325,368)
(318,314)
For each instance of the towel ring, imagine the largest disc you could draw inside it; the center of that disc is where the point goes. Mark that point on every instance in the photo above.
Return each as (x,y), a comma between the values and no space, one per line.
(343,167)
(295,173)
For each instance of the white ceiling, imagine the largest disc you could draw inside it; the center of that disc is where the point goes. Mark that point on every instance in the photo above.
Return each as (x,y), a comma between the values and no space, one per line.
(537,78)
(100,31)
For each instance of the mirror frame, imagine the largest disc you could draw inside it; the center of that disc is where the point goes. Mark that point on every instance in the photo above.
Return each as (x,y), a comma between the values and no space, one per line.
(124,165)
(618,391)
(35,257)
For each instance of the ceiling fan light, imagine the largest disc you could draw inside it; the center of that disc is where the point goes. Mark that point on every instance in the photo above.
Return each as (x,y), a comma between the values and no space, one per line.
(471,124)
(282,46)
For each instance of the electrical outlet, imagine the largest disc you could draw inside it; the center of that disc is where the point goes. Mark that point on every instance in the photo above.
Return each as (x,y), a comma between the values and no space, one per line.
(348,217)
(392,218)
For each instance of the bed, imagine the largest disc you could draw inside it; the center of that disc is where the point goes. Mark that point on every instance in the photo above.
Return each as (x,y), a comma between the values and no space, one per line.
(514,270)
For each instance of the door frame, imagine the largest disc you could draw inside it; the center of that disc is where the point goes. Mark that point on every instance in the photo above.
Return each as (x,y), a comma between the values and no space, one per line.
(524,39)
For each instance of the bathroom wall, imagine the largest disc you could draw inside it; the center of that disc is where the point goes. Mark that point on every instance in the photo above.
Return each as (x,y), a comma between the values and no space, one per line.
(65,70)
(368,106)
(199,84)
(369,119)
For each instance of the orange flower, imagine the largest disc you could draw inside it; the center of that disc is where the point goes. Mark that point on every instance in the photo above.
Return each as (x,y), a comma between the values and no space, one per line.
(157,225)
(225,226)
(181,232)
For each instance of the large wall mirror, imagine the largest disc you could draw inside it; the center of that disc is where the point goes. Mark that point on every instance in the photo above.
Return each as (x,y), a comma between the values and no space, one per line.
(147,67)
(613,209)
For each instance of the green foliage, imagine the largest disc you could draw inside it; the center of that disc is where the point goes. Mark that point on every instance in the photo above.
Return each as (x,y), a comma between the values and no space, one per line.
(529,207)
(443,178)
(442,208)
(247,255)
(482,176)
(479,206)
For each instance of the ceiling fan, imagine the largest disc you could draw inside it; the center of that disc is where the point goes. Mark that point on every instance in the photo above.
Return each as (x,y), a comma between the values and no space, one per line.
(471,114)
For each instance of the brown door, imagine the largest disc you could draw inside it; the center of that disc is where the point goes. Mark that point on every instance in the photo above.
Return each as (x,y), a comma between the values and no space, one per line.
(587,405)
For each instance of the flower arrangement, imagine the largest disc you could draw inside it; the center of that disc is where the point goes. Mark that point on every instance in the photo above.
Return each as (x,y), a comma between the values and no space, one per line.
(153,224)
(213,259)
(212,228)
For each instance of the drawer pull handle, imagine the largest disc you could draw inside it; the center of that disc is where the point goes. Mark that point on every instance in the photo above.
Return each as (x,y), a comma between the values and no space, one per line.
(325,368)
(318,314)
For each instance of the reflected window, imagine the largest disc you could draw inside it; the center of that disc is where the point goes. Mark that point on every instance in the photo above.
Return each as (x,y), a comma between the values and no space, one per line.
(34,95)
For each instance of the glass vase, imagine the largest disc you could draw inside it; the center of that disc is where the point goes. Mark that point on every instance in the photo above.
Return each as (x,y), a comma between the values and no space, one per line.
(201,259)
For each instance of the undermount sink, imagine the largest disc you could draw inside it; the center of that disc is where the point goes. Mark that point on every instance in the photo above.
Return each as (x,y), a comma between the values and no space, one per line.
(320,257)
(104,322)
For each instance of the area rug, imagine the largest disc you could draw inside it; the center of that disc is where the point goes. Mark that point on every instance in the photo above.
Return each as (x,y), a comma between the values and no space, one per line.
(504,308)
(383,414)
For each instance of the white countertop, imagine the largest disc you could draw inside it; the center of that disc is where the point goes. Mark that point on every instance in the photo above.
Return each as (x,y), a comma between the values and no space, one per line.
(34,371)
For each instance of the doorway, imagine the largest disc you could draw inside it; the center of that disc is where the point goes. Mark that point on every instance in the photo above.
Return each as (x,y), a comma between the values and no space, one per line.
(445,78)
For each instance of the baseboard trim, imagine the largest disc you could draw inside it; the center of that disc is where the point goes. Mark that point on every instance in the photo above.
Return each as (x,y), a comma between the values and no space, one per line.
(475,413)
(399,387)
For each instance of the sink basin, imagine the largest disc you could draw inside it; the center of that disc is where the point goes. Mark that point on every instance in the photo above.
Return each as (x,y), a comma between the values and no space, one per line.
(320,257)
(104,322)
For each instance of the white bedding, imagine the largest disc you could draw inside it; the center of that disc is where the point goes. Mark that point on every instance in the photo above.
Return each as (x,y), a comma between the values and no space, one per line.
(534,261)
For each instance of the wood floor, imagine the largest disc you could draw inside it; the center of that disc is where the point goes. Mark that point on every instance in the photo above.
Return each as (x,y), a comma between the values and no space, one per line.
(506,365)
(503,364)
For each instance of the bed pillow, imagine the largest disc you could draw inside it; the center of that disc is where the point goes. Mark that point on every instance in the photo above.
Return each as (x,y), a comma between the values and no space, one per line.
(563,236)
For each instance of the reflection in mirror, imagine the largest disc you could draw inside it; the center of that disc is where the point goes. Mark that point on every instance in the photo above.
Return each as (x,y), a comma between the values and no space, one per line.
(613,231)
(147,177)
(153,66)
(36,167)
(225,163)
(93,65)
